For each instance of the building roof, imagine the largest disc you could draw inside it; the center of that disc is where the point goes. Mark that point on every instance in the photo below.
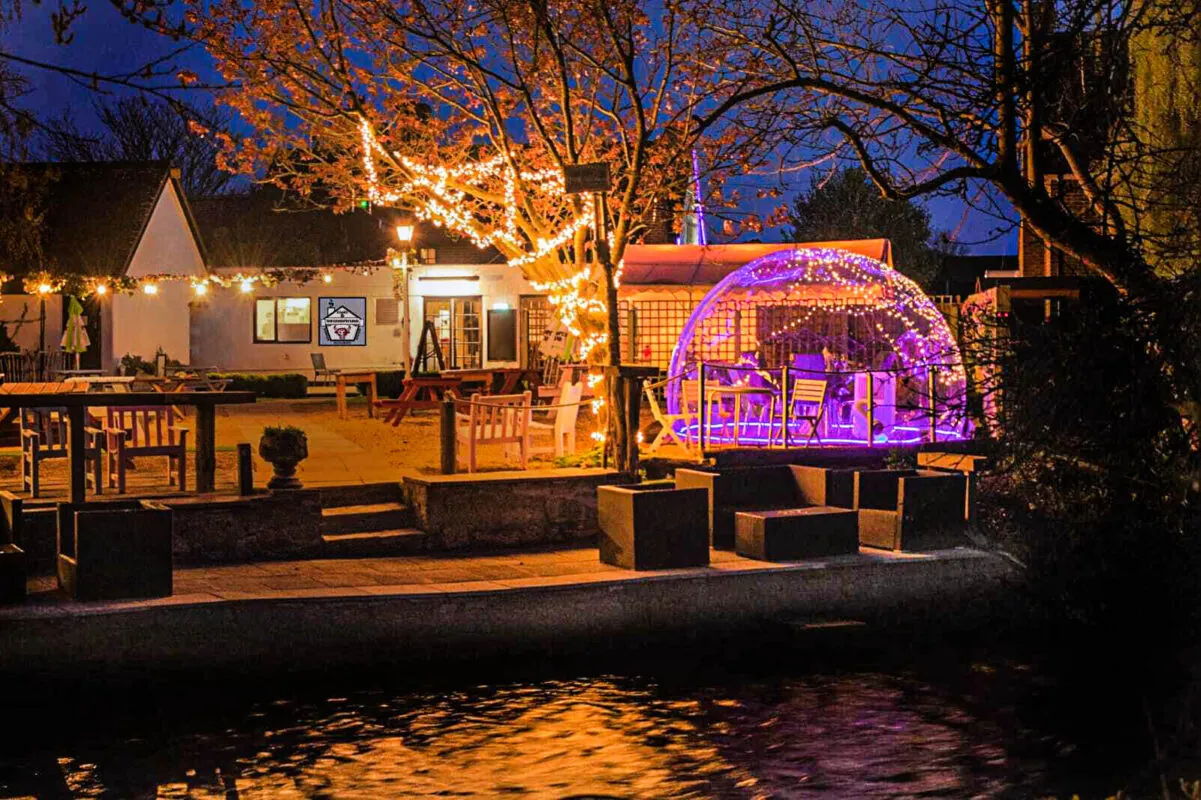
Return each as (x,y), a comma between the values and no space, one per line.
(959,274)
(95,213)
(257,230)
(685,264)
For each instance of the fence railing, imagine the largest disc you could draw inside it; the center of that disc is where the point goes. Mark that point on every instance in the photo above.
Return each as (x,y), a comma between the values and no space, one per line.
(894,406)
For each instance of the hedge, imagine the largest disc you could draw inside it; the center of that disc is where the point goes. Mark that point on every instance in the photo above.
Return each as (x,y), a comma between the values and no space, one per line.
(387,384)
(291,385)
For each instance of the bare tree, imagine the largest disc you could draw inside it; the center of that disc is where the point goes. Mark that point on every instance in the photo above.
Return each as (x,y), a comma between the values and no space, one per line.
(982,98)
(141,129)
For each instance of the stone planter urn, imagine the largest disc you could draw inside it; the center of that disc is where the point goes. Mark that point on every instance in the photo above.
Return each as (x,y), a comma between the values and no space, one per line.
(284,447)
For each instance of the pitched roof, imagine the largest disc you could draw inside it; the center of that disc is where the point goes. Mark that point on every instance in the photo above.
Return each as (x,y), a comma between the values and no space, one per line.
(682,264)
(96,212)
(257,230)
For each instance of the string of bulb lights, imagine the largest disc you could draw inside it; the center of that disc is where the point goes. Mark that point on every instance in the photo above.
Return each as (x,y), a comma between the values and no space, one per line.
(44,283)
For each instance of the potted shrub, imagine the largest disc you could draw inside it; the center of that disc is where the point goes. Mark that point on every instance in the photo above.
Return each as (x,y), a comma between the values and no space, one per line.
(284,447)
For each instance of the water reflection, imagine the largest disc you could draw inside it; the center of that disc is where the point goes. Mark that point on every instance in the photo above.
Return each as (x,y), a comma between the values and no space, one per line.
(842,735)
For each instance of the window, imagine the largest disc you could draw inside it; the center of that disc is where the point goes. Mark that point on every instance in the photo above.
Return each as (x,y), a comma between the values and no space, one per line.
(283,319)
(427,255)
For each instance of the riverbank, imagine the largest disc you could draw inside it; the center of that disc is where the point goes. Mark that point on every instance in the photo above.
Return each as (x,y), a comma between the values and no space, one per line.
(310,614)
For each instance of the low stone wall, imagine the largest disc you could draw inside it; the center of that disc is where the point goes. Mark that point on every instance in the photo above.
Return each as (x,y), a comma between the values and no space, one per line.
(504,509)
(264,527)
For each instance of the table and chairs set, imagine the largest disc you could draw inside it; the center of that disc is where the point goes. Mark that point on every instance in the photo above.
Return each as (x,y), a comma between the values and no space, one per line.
(100,424)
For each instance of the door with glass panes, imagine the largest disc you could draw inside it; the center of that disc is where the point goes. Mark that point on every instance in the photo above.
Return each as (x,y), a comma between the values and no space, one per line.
(457,323)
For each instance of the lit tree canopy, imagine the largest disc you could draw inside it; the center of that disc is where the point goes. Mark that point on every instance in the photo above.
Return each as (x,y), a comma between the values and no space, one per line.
(467,113)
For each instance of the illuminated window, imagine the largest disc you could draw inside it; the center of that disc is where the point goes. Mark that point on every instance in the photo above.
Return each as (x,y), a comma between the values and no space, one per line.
(283,319)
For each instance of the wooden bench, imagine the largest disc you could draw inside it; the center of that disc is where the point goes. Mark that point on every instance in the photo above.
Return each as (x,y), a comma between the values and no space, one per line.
(44,437)
(145,431)
(796,533)
(496,419)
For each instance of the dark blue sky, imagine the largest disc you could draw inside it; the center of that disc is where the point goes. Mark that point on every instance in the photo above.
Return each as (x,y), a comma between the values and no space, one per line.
(107,43)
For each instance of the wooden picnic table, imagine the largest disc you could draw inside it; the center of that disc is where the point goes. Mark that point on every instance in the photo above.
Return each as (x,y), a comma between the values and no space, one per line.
(497,380)
(419,393)
(73,397)
(362,376)
(77,373)
(105,383)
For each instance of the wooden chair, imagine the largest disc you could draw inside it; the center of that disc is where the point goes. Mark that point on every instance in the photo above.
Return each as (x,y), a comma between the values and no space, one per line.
(560,421)
(668,420)
(495,419)
(44,437)
(322,373)
(810,395)
(553,376)
(134,431)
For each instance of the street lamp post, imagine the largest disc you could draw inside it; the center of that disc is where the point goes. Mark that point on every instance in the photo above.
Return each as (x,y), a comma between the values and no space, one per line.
(400,263)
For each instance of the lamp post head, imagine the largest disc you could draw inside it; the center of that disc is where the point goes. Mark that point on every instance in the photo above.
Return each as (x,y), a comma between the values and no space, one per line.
(404,232)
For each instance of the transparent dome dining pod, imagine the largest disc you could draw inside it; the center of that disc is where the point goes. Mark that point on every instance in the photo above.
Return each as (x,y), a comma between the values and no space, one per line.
(816,347)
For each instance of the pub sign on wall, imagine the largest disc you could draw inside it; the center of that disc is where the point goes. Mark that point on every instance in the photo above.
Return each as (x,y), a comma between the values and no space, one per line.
(342,321)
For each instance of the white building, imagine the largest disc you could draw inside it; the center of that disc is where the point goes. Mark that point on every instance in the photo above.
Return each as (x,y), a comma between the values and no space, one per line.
(114,219)
(328,289)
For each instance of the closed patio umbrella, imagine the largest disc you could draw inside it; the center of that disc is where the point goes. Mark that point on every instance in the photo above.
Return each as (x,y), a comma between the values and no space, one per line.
(75,335)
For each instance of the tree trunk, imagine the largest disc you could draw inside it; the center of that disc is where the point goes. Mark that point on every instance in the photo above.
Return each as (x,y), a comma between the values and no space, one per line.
(618,439)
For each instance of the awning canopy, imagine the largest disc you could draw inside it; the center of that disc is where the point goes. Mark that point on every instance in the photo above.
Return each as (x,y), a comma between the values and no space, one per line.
(687,264)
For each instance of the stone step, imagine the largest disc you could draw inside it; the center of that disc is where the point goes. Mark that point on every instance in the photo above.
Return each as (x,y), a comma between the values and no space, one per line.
(360,494)
(395,542)
(365,518)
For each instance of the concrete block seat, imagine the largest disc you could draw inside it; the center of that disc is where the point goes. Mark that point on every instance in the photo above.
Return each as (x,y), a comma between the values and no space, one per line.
(910,510)
(777,487)
(796,533)
(12,574)
(653,526)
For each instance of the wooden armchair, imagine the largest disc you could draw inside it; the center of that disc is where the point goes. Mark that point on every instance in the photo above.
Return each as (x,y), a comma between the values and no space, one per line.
(134,431)
(495,419)
(44,437)
(560,421)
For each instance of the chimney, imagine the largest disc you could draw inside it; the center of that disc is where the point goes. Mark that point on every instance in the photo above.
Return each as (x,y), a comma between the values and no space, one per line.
(176,173)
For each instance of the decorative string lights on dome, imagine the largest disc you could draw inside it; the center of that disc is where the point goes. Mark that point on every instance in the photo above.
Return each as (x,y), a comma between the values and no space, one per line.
(833,314)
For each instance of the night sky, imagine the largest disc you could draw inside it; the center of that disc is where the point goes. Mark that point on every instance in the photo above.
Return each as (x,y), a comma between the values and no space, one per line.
(105,42)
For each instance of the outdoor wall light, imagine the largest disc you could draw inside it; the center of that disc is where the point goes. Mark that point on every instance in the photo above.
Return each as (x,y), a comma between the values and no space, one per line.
(247,287)
(101,289)
(150,288)
(43,288)
(327,278)
(201,289)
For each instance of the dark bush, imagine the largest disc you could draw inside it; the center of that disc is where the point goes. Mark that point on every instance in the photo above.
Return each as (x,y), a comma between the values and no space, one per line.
(290,385)
(388,384)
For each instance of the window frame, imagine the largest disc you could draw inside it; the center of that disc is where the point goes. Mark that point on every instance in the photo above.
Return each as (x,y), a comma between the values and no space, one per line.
(254,320)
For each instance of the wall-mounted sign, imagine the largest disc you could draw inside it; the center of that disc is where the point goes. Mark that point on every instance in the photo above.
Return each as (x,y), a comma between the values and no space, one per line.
(582,178)
(342,321)
(556,342)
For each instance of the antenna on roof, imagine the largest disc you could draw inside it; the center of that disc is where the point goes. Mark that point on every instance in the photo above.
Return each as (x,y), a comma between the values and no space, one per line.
(693,230)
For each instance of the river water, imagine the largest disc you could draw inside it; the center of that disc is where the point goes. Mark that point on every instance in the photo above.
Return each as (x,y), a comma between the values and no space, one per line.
(928,721)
